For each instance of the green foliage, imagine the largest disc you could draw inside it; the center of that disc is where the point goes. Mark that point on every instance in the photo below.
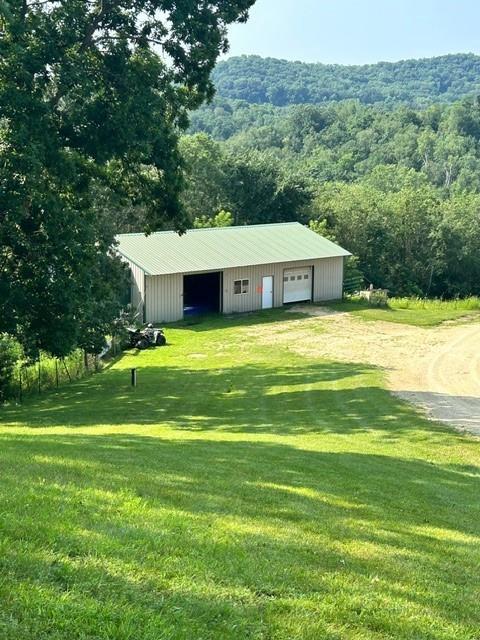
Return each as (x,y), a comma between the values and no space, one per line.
(252,186)
(204,168)
(259,190)
(250,493)
(421,312)
(34,377)
(410,241)
(93,95)
(391,233)
(397,187)
(378,298)
(431,304)
(347,141)
(221,219)
(353,278)
(21,376)
(223,118)
(128,317)
(414,82)
(321,227)
(10,354)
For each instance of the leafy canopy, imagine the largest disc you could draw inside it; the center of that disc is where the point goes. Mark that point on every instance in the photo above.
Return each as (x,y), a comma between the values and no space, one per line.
(397,187)
(92,96)
(417,83)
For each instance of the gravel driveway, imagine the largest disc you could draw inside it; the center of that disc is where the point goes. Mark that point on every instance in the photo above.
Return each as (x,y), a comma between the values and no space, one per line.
(436,368)
(448,380)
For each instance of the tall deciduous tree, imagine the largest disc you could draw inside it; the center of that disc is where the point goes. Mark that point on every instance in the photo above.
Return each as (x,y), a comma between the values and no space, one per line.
(92,96)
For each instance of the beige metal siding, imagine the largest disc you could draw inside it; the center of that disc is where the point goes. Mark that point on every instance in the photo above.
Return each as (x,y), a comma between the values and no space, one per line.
(240,303)
(137,287)
(164,294)
(327,283)
(164,298)
(328,279)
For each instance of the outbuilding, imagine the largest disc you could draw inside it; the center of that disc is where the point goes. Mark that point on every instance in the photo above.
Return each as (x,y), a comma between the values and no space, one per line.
(230,269)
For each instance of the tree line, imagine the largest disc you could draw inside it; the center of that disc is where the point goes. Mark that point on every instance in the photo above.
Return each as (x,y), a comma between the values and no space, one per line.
(399,188)
(93,97)
(420,83)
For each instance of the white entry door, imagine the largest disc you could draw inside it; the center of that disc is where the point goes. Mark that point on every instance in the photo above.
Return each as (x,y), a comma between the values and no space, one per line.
(297,284)
(267,292)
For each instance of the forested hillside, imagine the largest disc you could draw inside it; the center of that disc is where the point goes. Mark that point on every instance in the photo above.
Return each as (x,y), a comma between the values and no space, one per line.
(413,82)
(400,187)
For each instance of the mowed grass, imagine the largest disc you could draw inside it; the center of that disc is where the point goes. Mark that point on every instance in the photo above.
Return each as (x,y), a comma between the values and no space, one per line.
(413,311)
(239,492)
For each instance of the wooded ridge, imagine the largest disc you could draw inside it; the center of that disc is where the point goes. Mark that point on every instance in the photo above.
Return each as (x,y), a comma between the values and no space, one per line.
(414,82)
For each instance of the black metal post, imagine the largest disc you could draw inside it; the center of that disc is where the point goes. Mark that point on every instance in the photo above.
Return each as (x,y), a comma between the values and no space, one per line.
(134,377)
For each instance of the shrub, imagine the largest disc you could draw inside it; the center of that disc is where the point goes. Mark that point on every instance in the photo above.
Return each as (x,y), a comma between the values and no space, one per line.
(353,278)
(378,298)
(10,354)
(129,317)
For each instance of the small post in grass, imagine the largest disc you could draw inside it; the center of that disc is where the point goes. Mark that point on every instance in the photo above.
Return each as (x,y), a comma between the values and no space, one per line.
(134,377)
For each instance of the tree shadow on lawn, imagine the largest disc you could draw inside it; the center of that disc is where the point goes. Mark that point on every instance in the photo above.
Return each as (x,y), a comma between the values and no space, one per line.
(310,397)
(238,533)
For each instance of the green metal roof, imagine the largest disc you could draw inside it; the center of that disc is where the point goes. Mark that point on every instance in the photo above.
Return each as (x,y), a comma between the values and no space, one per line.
(166,252)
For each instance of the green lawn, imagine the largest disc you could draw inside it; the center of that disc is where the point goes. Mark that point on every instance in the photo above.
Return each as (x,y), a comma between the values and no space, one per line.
(240,492)
(428,314)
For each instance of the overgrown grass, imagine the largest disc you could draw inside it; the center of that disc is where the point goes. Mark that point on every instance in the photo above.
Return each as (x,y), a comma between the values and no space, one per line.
(435,304)
(239,492)
(414,311)
(49,373)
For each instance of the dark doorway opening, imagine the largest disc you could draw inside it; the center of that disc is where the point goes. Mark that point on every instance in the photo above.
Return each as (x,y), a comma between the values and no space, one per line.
(202,293)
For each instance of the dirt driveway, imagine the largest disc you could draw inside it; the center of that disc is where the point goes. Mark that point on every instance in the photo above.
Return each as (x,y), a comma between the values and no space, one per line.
(436,368)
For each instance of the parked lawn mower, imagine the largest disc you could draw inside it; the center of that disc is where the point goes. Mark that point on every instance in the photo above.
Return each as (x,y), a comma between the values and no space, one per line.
(148,337)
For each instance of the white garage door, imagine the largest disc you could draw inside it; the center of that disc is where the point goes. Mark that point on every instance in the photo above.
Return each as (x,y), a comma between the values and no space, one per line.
(297,284)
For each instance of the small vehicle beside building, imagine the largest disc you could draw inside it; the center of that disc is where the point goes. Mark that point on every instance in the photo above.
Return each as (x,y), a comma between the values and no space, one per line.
(148,337)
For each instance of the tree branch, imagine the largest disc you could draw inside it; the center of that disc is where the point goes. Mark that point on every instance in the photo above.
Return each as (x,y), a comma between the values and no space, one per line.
(85,44)
(88,38)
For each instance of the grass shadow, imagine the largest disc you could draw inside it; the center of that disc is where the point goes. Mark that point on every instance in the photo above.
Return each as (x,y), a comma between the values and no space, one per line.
(214,539)
(312,397)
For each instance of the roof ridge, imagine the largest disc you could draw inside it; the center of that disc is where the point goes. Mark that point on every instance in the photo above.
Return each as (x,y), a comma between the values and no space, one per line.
(205,229)
(167,252)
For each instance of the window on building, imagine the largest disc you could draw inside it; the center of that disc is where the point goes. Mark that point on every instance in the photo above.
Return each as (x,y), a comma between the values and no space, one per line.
(299,277)
(305,277)
(292,278)
(240,286)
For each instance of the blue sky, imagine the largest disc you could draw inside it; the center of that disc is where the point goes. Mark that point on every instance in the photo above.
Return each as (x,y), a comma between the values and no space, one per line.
(358,32)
